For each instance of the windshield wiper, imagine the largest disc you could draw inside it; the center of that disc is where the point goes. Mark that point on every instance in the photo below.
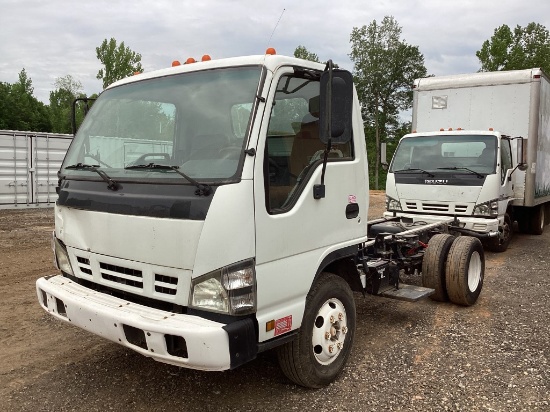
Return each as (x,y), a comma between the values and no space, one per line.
(414,170)
(202,188)
(111,184)
(462,168)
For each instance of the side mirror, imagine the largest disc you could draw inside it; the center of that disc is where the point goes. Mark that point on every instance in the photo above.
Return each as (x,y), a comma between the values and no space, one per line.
(521,153)
(336,101)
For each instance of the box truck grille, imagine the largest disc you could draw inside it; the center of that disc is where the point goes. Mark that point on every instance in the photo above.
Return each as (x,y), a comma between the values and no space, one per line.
(122,275)
(411,205)
(433,207)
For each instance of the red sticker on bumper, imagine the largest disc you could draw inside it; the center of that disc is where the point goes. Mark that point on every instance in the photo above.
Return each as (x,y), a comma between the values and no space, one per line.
(283,325)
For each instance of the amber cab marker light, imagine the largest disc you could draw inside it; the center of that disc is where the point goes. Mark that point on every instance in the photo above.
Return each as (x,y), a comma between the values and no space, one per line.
(206,58)
(176,63)
(491,129)
(190,60)
(136,73)
(271,51)
(442,130)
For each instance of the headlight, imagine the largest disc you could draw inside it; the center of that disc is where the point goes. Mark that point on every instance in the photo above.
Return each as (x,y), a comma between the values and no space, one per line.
(62,257)
(231,290)
(489,209)
(392,204)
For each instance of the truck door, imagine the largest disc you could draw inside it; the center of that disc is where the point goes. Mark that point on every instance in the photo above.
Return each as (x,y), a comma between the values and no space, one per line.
(294,231)
(507,188)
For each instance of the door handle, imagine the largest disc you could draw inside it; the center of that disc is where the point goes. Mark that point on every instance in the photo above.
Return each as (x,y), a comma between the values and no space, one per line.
(352,211)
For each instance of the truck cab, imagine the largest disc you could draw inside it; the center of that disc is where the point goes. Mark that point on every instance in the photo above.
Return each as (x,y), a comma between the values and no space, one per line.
(466,174)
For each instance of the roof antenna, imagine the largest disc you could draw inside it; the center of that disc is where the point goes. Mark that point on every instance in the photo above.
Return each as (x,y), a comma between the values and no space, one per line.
(275,28)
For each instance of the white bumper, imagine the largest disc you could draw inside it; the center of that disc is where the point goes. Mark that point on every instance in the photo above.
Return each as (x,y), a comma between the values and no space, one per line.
(475,224)
(206,342)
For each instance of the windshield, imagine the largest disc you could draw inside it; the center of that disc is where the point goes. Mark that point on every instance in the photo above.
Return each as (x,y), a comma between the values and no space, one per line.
(450,153)
(196,122)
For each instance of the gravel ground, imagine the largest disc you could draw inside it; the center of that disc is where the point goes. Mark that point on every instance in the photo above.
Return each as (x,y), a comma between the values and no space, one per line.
(428,356)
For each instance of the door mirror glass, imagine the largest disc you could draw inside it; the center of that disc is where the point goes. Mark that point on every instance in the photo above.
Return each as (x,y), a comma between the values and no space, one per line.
(336,107)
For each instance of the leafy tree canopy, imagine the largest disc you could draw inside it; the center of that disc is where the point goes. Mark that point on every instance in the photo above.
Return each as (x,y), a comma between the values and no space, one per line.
(385,67)
(119,61)
(523,48)
(302,53)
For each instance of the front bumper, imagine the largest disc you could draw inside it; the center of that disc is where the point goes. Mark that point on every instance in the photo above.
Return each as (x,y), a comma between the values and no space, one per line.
(483,227)
(177,339)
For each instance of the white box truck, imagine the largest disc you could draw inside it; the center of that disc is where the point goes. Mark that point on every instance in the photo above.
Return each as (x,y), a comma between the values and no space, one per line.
(217,209)
(480,151)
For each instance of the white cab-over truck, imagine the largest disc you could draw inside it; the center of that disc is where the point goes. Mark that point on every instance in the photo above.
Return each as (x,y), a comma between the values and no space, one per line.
(480,151)
(214,210)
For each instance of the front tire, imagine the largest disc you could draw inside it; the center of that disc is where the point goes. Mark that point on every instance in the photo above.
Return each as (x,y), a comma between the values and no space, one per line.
(500,244)
(322,347)
(465,270)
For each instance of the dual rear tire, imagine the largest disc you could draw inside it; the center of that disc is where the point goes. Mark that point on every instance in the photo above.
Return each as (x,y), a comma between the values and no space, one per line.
(454,268)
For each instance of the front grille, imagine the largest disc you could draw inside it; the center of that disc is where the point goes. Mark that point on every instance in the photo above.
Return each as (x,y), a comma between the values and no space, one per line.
(166,284)
(411,205)
(122,275)
(133,277)
(461,208)
(84,265)
(434,207)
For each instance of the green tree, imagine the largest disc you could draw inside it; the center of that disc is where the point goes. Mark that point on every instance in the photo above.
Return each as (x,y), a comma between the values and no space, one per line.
(20,110)
(384,70)
(67,89)
(523,48)
(302,53)
(119,61)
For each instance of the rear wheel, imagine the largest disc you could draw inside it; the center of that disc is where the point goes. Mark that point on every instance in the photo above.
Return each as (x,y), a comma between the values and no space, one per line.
(537,220)
(433,265)
(500,243)
(320,351)
(465,270)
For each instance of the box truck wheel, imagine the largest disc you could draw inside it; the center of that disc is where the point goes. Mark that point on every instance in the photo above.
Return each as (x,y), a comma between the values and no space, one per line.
(321,349)
(500,243)
(537,220)
(465,270)
(433,265)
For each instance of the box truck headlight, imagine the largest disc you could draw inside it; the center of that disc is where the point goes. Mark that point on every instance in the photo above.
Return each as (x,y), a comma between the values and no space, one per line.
(393,205)
(230,290)
(62,257)
(489,209)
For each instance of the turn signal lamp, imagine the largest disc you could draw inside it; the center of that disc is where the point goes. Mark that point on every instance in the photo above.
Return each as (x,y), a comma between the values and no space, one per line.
(269,326)
(206,58)
(190,60)
(176,63)
(271,51)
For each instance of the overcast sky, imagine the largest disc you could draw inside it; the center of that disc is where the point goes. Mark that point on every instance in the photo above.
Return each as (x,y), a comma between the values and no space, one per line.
(54,38)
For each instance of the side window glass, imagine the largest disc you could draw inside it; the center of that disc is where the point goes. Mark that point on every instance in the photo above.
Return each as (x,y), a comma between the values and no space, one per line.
(293,148)
(505,159)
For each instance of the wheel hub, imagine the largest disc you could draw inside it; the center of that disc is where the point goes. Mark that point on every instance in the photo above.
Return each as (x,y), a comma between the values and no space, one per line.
(474,272)
(329,331)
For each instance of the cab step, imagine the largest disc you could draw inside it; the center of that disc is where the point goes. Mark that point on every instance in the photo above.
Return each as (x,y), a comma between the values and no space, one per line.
(409,293)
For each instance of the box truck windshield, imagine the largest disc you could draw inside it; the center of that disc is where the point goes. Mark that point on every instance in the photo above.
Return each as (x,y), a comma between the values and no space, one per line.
(194,122)
(446,154)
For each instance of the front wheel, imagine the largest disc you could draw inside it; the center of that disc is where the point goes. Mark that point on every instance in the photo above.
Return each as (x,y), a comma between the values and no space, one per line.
(500,244)
(321,349)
